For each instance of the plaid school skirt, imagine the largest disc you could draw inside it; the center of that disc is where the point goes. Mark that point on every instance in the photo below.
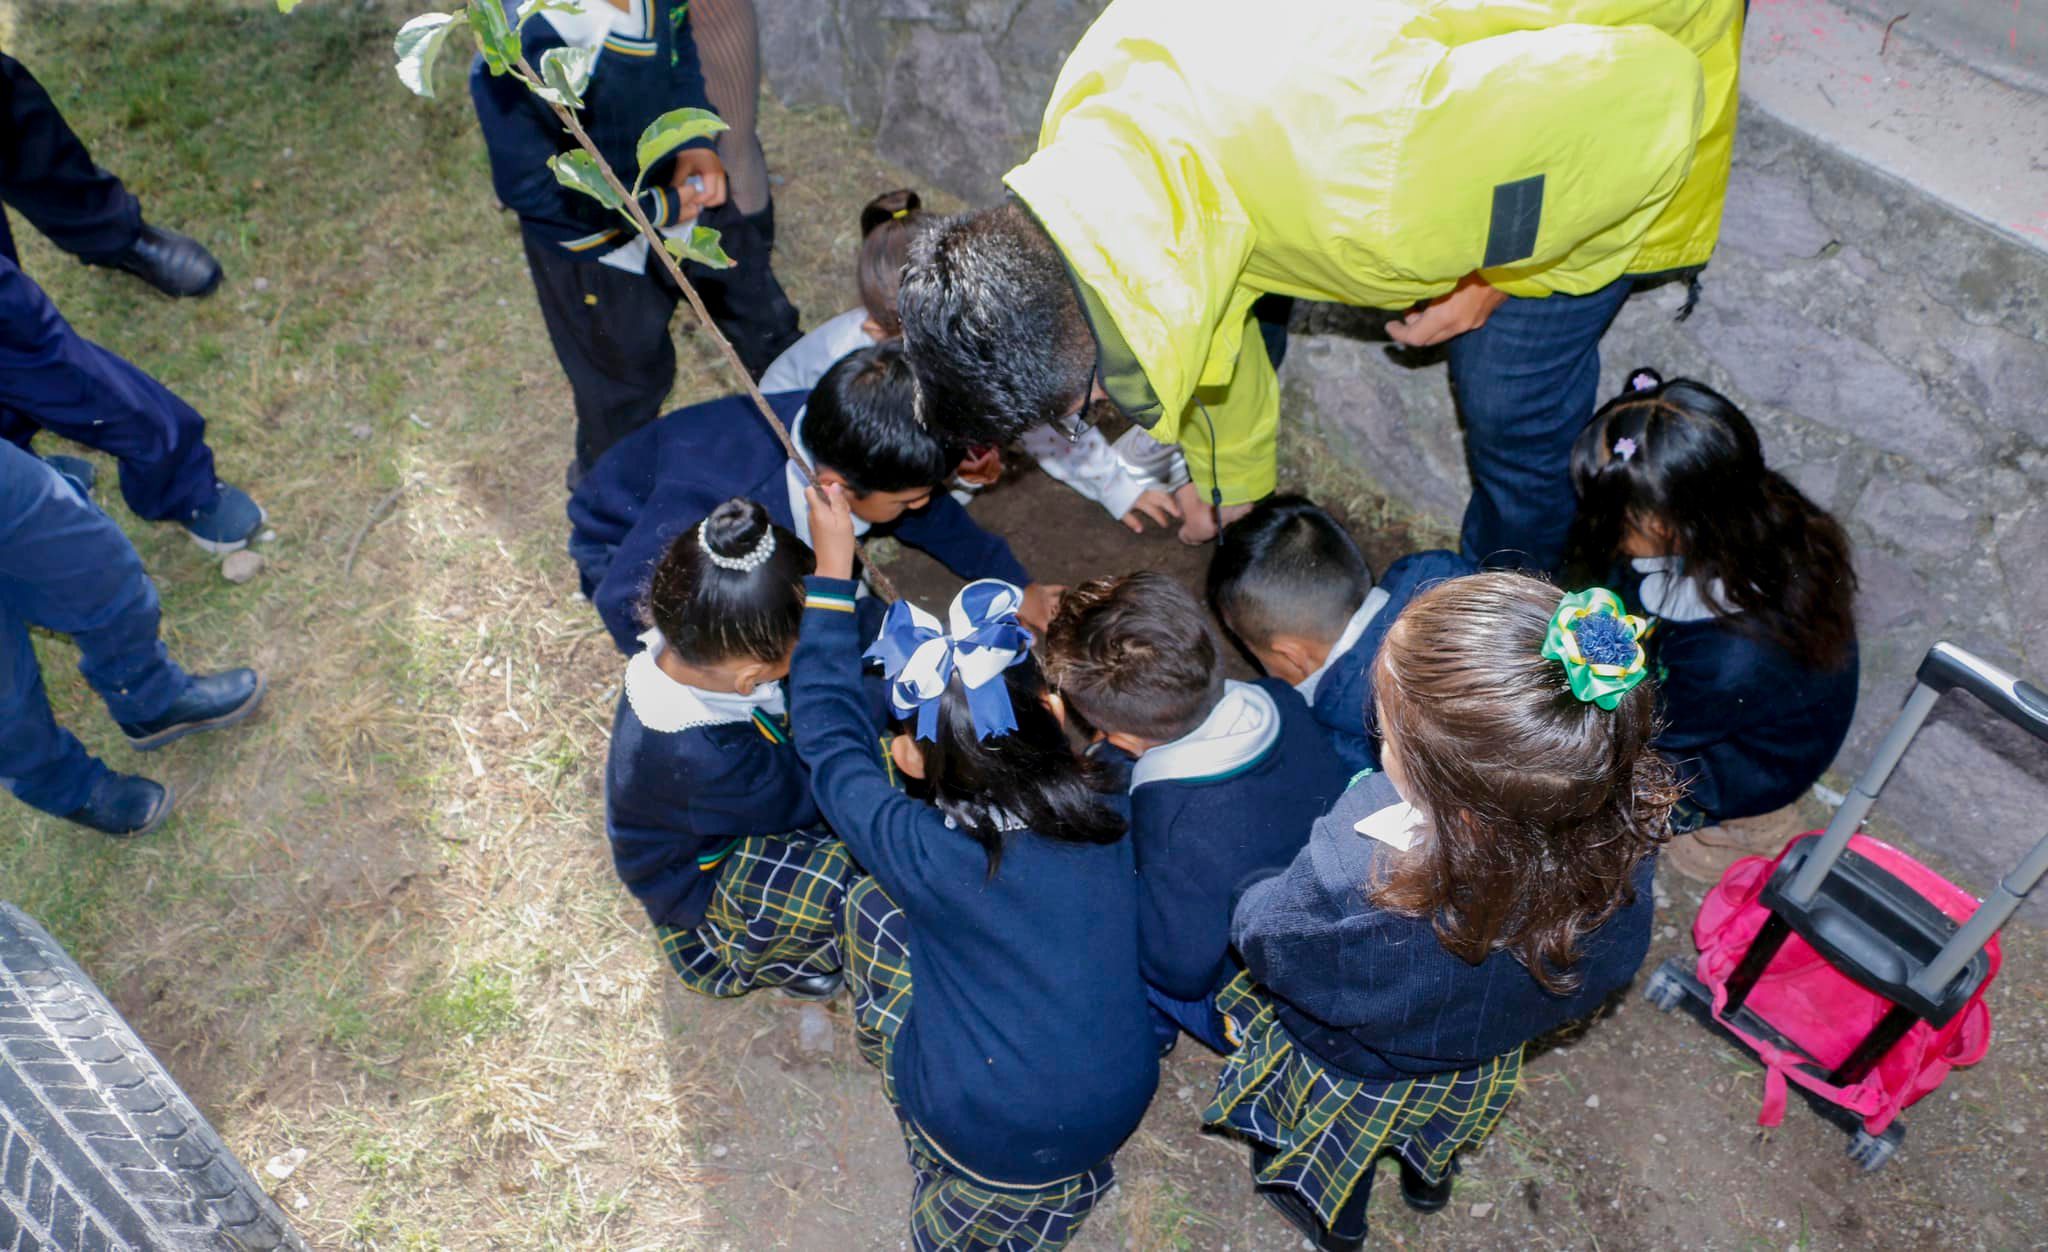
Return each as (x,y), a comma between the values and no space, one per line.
(773,918)
(1327,1129)
(950,1209)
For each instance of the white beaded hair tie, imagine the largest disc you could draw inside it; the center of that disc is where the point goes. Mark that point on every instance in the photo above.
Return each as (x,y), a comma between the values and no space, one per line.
(739,564)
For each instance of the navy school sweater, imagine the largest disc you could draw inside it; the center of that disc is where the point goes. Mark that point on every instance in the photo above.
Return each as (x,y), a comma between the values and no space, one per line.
(1747,726)
(1027,1053)
(674,800)
(664,478)
(1230,802)
(1373,993)
(1342,696)
(636,78)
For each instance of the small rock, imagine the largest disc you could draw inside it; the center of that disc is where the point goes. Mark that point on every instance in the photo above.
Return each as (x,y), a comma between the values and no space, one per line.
(240,567)
(2018,1128)
(261,284)
(502,302)
(1482,1209)
(286,154)
(284,1164)
(814,1033)
(1670,932)
(1184,1092)
(718,1151)
(360,430)
(1660,1137)
(1592,1102)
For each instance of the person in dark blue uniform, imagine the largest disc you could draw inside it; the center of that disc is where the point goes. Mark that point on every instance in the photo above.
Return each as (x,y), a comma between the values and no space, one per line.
(48,177)
(1753,591)
(993,955)
(1294,589)
(1225,777)
(66,567)
(860,429)
(606,302)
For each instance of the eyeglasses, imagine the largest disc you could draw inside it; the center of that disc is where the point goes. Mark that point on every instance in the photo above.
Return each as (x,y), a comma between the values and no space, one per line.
(1082,419)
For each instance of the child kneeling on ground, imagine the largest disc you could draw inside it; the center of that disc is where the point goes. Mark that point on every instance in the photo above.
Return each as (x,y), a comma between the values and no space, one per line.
(993,955)
(1754,597)
(707,805)
(1226,777)
(1492,884)
(1290,584)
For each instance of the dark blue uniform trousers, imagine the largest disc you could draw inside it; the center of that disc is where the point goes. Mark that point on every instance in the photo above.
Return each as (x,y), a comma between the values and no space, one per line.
(48,177)
(1527,382)
(52,378)
(66,567)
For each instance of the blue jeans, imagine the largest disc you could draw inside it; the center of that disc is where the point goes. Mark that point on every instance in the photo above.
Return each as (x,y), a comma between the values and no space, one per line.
(1197,1017)
(1527,382)
(53,378)
(66,567)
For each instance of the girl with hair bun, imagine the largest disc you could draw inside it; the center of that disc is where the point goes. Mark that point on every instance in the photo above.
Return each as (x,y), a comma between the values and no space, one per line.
(707,806)
(1753,592)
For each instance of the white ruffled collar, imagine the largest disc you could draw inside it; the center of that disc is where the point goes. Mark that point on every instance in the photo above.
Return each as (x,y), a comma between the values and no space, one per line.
(1354,630)
(1237,732)
(665,705)
(1668,593)
(1398,825)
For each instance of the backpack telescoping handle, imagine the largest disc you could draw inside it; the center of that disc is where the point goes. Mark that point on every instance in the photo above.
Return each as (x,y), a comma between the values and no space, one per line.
(1947,668)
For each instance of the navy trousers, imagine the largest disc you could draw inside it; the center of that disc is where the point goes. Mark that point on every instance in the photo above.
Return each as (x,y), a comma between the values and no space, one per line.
(52,378)
(66,567)
(48,177)
(1527,382)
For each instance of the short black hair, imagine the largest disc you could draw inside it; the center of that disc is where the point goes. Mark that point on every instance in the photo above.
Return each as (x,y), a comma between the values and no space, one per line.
(1287,568)
(1135,655)
(992,323)
(711,614)
(862,421)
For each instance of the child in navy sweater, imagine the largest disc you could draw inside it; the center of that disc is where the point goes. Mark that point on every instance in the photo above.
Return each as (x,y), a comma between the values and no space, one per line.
(606,302)
(1225,777)
(1753,593)
(707,805)
(860,429)
(1294,589)
(1491,885)
(993,954)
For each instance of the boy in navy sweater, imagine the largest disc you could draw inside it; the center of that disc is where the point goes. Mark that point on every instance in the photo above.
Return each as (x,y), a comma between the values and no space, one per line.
(1226,777)
(860,430)
(1294,589)
(606,302)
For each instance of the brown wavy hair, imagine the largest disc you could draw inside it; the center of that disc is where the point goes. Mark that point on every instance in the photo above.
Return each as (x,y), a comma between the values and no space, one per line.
(1540,806)
(886,225)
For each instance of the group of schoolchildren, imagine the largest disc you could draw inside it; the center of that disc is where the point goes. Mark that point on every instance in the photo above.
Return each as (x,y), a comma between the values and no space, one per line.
(1042,836)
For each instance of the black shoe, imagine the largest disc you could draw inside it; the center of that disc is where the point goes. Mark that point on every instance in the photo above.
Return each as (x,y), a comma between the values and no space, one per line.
(1303,1218)
(123,806)
(75,470)
(175,264)
(212,701)
(818,987)
(1422,1195)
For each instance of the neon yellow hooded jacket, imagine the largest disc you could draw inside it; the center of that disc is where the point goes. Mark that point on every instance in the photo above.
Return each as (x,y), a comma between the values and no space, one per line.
(1199,153)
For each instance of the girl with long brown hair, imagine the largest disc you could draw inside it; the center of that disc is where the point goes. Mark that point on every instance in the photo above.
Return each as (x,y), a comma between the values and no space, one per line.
(1491,884)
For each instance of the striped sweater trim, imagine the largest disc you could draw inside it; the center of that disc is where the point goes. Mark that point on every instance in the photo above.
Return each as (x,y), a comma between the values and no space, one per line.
(828,600)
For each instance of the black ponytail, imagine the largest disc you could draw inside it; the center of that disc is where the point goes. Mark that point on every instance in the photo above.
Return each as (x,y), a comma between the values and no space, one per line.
(710,614)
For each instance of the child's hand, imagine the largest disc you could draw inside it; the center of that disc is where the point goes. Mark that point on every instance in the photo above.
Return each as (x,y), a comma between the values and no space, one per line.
(1041,601)
(981,467)
(1198,522)
(832,531)
(1152,505)
(704,164)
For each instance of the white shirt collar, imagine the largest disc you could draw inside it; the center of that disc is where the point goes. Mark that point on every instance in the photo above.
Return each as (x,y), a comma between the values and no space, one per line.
(1244,723)
(799,505)
(1668,593)
(1375,600)
(663,704)
(1398,825)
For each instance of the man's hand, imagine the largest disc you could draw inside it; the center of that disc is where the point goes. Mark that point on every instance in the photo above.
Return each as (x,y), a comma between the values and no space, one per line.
(981,467)
(832,531)
(1465,307)
(701,163)
(1151,505)
(1041,601)
(1197,515)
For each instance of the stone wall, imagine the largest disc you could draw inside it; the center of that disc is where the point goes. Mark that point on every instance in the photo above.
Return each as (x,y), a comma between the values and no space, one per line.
(1894,354)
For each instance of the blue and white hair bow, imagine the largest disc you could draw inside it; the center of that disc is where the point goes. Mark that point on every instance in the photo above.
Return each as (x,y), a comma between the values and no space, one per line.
(981,639)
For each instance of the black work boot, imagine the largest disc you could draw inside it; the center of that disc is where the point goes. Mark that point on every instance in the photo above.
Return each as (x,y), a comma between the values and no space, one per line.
(1291,1205)
(1421,1194)
(123,805)
(212,701)
(817,987)
(175,264)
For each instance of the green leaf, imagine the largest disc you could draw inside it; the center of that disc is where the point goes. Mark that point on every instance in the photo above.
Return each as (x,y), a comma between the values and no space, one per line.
(418,43)
(286,6)
(672,130)
(578,172)
(531,7)
(495,35)
(566,71)
(703,247)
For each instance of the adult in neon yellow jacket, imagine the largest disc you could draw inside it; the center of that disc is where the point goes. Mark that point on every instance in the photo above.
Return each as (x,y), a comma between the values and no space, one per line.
(1506,166)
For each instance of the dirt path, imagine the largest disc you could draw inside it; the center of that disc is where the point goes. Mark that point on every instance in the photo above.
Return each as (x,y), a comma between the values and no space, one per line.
(384,925)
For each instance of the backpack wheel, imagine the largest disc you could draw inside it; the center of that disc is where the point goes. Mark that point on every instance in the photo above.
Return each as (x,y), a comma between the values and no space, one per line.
(1872,1151)
(1666,989)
